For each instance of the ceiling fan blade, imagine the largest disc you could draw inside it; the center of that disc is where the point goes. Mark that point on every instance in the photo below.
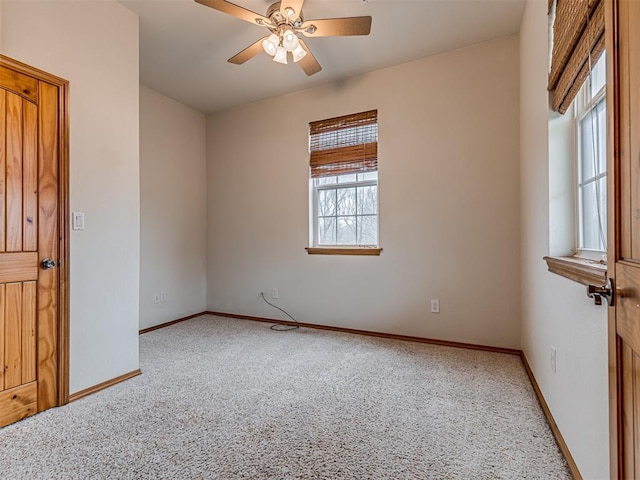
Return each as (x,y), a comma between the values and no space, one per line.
(294,5)
(236,11)
(334,27)
(248,53)
(309,63)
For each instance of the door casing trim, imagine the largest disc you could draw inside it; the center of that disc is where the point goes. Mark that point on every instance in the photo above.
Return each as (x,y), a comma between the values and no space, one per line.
(611,32)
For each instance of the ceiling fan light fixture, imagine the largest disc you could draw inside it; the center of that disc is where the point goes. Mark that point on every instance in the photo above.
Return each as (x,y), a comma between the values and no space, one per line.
(285,21)
(280,56)
(299,53)
(270,45)
(290,40)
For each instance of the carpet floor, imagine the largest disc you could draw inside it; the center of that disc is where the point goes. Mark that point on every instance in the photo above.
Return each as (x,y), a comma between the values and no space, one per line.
(231,399)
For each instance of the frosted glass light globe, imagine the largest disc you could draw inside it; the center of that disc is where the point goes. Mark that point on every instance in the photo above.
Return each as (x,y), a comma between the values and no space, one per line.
(290,40)
(280,56)
(270,45)
(299,53)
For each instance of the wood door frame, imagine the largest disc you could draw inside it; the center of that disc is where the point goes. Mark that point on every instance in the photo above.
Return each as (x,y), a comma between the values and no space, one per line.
(614,232)
(62,353)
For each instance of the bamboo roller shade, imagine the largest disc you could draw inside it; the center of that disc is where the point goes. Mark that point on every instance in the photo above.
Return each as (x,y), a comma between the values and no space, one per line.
(343,145)
(578,41)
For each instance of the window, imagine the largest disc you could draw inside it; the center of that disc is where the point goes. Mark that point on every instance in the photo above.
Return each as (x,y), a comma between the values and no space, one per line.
(587,128)
(577,142)
(592,163)
(344,181)
(346,209)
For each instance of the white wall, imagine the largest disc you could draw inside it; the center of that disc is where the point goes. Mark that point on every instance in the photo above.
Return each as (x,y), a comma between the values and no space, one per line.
(94,45)
(449,202)
(555,311)
(173,209)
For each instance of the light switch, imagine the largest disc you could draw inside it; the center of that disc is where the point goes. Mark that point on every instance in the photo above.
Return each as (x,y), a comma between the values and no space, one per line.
(78,221)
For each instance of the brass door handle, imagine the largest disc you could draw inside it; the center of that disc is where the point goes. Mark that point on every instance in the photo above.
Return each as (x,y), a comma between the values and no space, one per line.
(598,293)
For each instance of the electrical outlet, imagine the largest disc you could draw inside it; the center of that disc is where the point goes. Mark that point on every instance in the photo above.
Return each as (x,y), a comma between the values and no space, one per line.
(156,297)
(274,293)
(553,360)
(435,306)
(163,296)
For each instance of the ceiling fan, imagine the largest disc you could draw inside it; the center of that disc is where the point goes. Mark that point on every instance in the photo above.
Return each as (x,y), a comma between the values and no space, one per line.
(285,19)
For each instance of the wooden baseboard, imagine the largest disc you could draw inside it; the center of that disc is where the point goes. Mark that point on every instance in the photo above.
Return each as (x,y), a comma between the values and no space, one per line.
(172,322)
(368,333)
(103,385)
(552,423)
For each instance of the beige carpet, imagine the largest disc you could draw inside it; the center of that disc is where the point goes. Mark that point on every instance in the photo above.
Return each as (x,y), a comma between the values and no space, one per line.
(231,399)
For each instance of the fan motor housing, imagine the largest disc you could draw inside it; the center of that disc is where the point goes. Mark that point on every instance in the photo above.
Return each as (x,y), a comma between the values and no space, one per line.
(274,14)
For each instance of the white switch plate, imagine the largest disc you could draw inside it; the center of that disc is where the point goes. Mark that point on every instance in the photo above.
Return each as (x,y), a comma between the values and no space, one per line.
(274,293)
(78,221)
(554,363)
(163,296)
(156,297)
(435,306)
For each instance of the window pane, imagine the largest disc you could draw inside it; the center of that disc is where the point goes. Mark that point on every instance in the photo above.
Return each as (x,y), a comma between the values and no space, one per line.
(347,215)
(602,194)
(368,176)
(593,137)
(598,75)
(347,230)
(594,225)
(326,203)
(589,218)
(327,231)
(588,126)
(368,230)
(347,178)
(367,200)
(601,113)
(326,181)
(346,201)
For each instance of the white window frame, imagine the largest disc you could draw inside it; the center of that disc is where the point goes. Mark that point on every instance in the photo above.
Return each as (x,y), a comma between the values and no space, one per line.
(585,105)
(315,188)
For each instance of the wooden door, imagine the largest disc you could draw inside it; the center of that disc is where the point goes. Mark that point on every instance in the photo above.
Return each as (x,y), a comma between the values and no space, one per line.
(623,92)
(29,237)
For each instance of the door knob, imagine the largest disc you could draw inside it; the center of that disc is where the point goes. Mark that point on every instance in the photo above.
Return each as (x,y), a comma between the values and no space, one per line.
(47,264)
(598,293)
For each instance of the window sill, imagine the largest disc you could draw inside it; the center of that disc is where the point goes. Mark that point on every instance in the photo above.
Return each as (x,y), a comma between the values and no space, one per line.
(343,251)
(583,271)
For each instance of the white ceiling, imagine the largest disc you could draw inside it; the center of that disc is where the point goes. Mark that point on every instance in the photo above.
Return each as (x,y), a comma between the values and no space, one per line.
(184,46)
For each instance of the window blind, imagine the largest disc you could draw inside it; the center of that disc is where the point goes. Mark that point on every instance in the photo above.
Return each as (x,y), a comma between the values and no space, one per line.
(343,145)
(578,42)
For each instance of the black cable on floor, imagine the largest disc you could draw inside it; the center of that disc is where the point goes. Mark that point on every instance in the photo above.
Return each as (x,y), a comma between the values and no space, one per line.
(277,327)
